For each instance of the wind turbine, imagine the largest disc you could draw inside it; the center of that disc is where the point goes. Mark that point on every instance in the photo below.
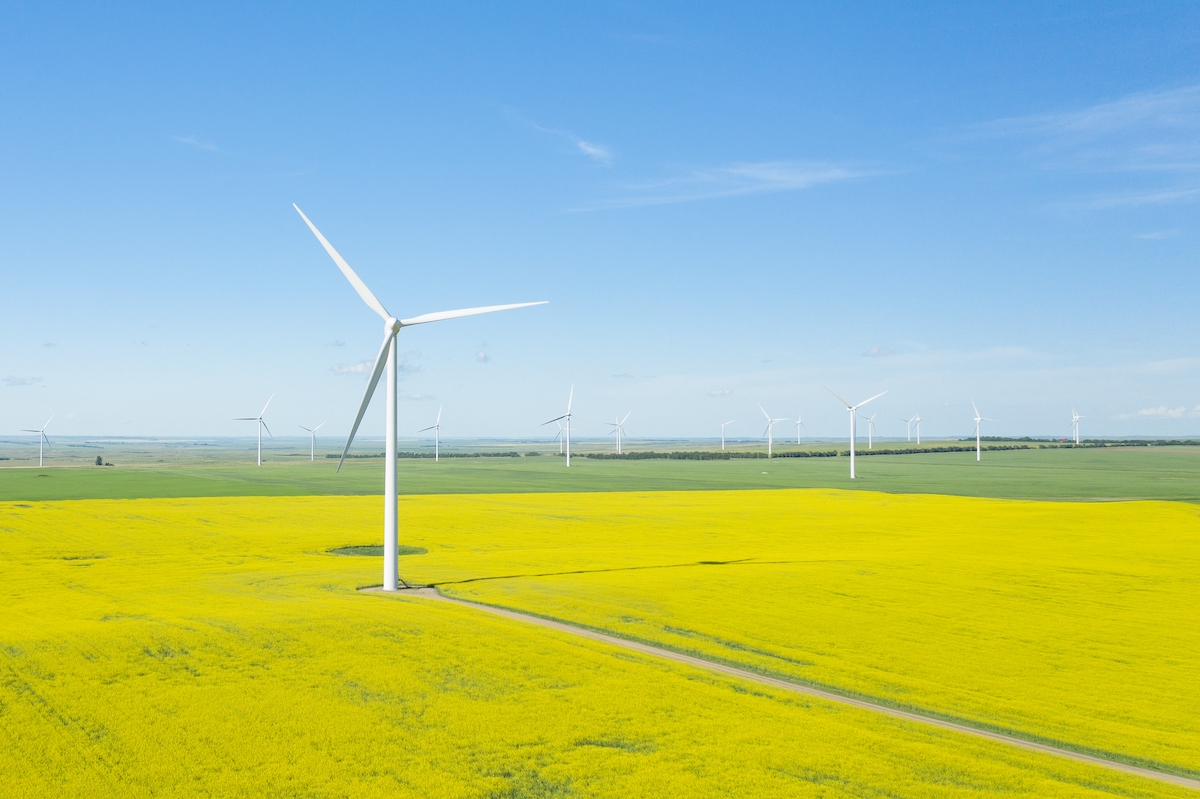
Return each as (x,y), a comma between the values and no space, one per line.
(978,419)
(908,427)
(731,421)
(1075,417)
(568,416)
(799,424)
(261,425)
(436,427)
(917,419)
(387,357)
(854,422)
(871,430)
(312,455)
(619,429)
(560,438)
(41,438)
(770,431)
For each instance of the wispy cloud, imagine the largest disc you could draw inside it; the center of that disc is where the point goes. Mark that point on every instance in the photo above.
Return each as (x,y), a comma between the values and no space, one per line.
(482,357)
(1157,235)
(416,397)
(13,380)
(720,392)
(1153,134)
(1163,412)
(600,153)
(336,343)
(50,344)
(404,365)
(879,352)
(198,143)
(736,180)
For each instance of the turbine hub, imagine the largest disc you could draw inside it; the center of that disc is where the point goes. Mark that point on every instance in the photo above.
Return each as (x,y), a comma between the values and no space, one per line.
(391,325)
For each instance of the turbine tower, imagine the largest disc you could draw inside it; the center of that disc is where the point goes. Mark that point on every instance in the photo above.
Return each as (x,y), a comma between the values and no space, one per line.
(854,422)
(871,430)
(568,416)
(387,357)
(436,427)
(1075,417)
(560,438)
(908,428)
(41,434)
(312,431)
(978,419)
(770,431)
(917,420)
(618,428)
(261,425)
(723,424)
(799,424)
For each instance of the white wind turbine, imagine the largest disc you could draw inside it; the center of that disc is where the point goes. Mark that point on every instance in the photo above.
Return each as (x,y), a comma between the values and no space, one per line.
(917,420)
(261,424)
(568,416)
(908,428)
(312,431)
(723,424)
(560,438)
(42,438)
(388,357)
(436,427)
(871,431)
(1075,417)
(770,431)
(978,419)
(854,422)
(799,424)
(618,428)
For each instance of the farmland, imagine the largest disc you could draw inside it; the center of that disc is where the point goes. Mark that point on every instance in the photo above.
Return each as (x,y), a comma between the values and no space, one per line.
(214,646)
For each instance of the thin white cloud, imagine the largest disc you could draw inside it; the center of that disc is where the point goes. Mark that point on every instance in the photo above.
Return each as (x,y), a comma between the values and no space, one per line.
(416,397)
(599,153)
(482,357)
(13,380)
(736,180)
(1163,412)
(199,144)
(1157,235)
(879,352)
(360,368)
(720,392)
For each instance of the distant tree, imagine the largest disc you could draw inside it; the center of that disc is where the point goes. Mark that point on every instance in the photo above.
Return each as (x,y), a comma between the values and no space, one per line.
(99,461)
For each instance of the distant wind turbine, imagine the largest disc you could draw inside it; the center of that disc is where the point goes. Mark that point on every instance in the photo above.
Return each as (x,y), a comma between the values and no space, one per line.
(978,419)
(799,424)
(261,424)
(568,416)
(42,438)
(723,424)
(388,357)
(560,438)
(871,431)
(769,433)
(1075,417)
(436,427)
(854,422)
(917,420)
(312,455)
(618,428)
(908,428)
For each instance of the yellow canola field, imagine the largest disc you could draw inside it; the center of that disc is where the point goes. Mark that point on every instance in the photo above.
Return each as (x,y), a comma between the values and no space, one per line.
(1076,623)
(211,647)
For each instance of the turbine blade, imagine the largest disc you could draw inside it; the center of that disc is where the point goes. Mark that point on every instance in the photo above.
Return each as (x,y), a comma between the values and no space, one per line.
(830,390)
(764,412)
(441,315)
(731,421)
(439,419)
(264,424)
(556,419)
(359,286)
(264,410)
(570,399)
(423,429)
(318,427)
(864,402)
(238,419)
(974,408)
(302,427)
(380,362)
(626,417)
(48,421)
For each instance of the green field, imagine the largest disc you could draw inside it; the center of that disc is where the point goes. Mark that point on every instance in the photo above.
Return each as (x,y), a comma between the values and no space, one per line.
(1171,473)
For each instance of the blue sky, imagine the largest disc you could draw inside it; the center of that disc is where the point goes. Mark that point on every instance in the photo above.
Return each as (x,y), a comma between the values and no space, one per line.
(726,205)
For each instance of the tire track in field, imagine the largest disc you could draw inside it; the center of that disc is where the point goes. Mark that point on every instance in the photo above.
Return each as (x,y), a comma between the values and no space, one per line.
(428,592)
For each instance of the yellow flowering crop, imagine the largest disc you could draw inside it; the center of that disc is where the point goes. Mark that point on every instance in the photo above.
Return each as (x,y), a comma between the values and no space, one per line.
(1073,622)
(212,647)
